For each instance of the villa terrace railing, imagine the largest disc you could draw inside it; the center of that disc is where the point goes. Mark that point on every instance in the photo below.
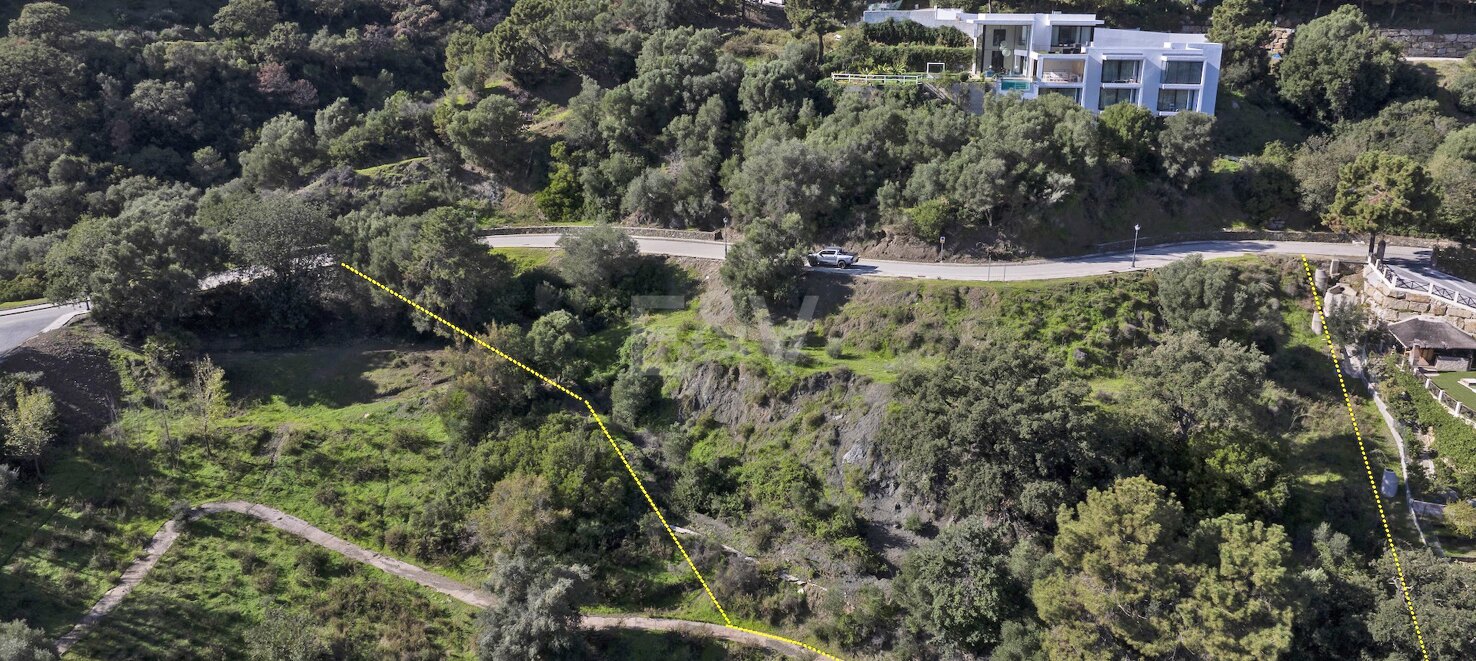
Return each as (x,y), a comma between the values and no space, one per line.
(880,78)
(1451,404)
(1396,280)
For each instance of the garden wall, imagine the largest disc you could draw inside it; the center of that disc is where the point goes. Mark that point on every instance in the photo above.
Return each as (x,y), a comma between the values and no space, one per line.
(1426,43)
(1391,305)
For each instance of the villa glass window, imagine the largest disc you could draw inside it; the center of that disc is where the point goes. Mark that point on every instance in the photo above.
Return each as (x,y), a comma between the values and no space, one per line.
(1178,72)
(1120,71)
(1113,96)
(1177,100)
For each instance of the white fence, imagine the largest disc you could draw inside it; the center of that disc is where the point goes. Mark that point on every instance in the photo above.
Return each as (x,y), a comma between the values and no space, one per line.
(880,78)
(1408,282)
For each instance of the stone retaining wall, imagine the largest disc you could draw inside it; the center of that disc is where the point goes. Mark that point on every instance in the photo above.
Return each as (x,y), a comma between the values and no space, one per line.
(1426,43)
(1393,305)
(652,232)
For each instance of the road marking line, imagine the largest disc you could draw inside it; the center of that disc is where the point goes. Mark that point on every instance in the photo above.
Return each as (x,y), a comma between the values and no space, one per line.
(616,446)
(1372,484)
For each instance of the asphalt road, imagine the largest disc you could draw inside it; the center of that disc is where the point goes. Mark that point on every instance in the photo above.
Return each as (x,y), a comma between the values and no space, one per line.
(18,327)
(1049,269)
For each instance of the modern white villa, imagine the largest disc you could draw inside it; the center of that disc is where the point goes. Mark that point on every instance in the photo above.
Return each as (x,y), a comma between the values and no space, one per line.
(1071,55)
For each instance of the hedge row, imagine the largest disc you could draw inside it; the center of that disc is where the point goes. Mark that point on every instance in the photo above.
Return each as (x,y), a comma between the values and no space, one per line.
(894,32)
(916,58)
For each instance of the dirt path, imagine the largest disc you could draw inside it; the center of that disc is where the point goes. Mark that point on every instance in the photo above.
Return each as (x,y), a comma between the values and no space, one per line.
(165,538)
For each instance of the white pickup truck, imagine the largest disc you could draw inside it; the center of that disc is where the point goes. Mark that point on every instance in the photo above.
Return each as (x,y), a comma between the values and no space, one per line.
(832,256)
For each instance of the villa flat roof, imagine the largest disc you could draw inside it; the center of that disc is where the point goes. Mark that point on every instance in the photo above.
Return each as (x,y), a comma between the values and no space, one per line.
(946,14)
(1116,38)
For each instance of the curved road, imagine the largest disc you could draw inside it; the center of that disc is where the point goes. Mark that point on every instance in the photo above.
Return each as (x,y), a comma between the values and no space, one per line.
(1046,269)
(165,538)
(21,324)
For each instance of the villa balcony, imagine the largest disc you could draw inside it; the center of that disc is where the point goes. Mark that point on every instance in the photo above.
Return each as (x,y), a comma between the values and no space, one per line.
(1062,71)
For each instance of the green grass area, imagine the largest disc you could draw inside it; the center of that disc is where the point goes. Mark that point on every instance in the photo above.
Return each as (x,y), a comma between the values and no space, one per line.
(1454,546)
(212,587)
(526,259)
(11,305)
(1450,382)
(1243,125)
(376,170)
(680,339)
(1330,478)
(342,437)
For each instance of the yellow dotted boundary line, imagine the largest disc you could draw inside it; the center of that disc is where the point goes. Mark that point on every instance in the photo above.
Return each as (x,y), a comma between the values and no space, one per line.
(1372,485)
(616,446)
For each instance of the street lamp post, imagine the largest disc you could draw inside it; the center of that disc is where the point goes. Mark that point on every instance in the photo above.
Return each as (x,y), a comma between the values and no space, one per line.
(941,239)
(1135,245)
(725,237)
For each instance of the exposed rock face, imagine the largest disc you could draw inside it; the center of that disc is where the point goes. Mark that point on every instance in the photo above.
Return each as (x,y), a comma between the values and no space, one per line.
(853,409)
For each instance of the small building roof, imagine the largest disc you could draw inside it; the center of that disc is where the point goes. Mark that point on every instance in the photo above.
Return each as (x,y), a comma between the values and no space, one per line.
(1431,334)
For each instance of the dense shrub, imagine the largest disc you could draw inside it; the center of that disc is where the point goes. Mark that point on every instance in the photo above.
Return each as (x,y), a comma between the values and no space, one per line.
(916,58)
(894,32)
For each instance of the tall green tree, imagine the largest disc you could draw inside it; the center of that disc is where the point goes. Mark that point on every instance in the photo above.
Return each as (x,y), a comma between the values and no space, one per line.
(1130,578)
(48,22)
(1195,384)
(29,425)
(1381,192)
(1120,573)
(958,590)
(1242,27)
(140,268)
(1212,298)
(1242,602)
(536,614)
(1127,131)
(1338,67)
(284,154)
(987,433)
(489,134)
(1453,169)
(1443,599)
(246,18)
(561,200)
(1186,148)
(767,263)
(451,273)
(279,237)
(818,17)
(597,262)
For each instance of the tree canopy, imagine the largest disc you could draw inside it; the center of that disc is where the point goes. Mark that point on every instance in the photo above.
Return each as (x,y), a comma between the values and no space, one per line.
(1338,67)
